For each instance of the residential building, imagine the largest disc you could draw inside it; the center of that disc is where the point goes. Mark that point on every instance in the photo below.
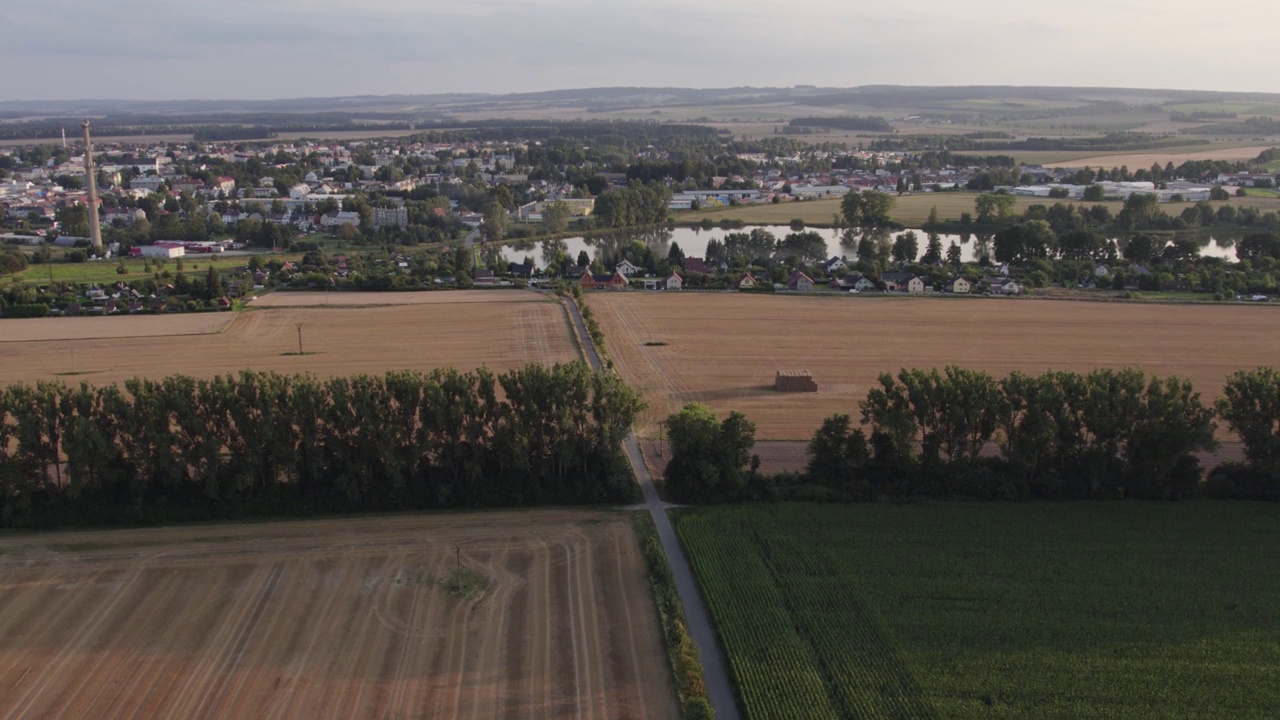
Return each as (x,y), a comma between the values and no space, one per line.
(616,281)
(388,217)
(856,282)
(148,183)
(342,218)
(627,268)
(799,282)
(126,216)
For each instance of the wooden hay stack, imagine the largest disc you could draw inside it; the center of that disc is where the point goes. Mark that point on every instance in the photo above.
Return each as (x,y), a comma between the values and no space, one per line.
(794,381)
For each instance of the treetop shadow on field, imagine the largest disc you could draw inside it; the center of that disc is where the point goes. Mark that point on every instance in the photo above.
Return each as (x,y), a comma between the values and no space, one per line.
(762,391)
(728,393)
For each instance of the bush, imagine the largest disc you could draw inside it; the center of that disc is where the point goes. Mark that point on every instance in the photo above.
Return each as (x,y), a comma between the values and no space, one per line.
(1241,481)
(26,311)
(12,262)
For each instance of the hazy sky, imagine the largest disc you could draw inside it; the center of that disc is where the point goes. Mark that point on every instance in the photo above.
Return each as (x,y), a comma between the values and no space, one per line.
(259,49)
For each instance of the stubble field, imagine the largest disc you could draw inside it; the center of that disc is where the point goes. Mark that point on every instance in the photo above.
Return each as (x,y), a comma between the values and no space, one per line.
(335,619)
(342,334)
(1147,159)
(722,349)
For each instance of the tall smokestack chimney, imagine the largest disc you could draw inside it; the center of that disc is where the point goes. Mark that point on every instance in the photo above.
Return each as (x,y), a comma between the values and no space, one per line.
(91,181)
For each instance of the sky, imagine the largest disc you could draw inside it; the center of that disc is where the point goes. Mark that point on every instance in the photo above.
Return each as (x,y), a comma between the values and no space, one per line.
(265,49)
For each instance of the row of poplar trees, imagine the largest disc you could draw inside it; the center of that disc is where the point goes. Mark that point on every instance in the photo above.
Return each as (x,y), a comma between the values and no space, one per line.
(267,444)
(1106,434)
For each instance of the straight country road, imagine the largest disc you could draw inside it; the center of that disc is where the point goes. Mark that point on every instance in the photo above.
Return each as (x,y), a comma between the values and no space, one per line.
(697,619)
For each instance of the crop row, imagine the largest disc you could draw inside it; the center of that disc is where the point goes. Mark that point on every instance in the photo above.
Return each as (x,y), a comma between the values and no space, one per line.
(975,610)
(799,644)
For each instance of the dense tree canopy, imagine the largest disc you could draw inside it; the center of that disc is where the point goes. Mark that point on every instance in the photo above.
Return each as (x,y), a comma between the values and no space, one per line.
(710,460)
(867,208)
(262,443)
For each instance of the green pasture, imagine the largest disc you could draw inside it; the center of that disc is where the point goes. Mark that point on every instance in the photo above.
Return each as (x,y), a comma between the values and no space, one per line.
(107,271)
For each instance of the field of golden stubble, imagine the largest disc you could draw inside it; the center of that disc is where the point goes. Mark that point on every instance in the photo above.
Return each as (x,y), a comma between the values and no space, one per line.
(342,334)
(722,349)
(337,618)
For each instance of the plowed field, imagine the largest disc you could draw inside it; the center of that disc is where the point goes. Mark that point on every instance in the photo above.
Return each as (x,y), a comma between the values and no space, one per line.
(370,333)
(349,618)
(722,349)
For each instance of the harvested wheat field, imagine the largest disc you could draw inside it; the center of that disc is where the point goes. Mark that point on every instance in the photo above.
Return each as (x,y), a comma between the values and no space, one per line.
(124,326)
(499,330)
(722,349)
(364,299)
(1146,159)
(352,618)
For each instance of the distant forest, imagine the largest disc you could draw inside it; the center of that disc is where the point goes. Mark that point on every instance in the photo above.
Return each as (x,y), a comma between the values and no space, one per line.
(1105,143)
(868,123)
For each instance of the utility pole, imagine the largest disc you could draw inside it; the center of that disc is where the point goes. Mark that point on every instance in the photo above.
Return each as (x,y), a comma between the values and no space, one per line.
(299,338)
(91,182)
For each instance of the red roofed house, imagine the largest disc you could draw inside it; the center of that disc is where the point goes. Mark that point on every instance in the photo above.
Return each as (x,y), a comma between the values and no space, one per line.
(695,264)
(616,281)
(799,281)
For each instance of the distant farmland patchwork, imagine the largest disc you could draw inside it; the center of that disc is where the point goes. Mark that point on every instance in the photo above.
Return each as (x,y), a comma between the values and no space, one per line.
(335,619)
(722,349)
(995,610)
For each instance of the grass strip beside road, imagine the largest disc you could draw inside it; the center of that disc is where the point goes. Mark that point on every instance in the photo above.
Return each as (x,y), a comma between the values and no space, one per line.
(686,667)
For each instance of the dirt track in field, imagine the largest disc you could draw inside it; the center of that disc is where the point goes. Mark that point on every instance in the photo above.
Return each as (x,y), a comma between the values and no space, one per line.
(724,348)
(334,619)
(370,333)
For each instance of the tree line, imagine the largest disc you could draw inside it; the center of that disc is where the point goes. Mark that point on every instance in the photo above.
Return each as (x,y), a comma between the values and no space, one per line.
(264,444)
(870,123)
(1110,142)
(1106,434)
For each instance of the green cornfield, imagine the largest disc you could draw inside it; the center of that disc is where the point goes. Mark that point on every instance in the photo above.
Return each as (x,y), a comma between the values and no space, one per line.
(968,610)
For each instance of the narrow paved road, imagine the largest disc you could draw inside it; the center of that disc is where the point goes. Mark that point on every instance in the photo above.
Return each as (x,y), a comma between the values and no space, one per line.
(698,620)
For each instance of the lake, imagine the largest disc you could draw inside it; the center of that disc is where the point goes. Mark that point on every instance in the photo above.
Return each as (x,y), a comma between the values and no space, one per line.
(693,242)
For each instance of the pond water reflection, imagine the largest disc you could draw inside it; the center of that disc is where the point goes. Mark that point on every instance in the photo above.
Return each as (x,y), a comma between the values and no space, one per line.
(693,242)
